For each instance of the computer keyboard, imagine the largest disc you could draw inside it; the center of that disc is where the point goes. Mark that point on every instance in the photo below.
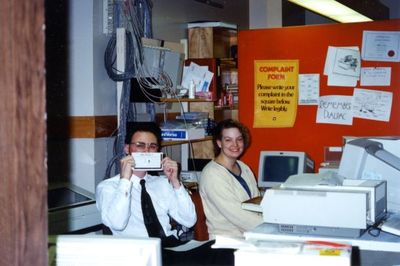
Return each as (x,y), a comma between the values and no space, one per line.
(392,224)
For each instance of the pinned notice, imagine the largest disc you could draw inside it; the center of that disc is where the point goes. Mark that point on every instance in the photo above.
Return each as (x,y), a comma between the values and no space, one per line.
(308,89)
(342,66)
(275,93)
(375,76)
(372,104)
(381,46)
(335,109)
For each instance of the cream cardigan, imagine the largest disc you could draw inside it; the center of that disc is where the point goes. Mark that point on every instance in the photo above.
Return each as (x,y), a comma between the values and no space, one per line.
(222,195)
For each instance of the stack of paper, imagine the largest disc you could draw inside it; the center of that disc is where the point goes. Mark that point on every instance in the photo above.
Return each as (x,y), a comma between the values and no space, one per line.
(197,75)
(392,224)
(294,253)
(253,204)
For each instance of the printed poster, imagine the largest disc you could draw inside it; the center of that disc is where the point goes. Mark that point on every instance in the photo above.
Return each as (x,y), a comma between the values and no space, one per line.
(308,89)
(275,93)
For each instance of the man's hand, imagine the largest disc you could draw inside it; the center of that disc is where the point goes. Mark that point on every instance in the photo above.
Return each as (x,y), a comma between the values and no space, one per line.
(126,164)
(170,168)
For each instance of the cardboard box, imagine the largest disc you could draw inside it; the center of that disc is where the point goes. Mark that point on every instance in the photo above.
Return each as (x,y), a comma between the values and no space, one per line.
(211,42)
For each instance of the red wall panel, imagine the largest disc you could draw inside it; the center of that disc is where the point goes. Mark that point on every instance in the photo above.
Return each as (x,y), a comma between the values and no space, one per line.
(309,45)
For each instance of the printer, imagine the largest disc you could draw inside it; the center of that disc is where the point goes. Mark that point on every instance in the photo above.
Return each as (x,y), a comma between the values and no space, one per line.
(325,204)
(374,159)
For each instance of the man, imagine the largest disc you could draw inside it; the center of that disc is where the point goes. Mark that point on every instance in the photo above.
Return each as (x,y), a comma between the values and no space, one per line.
(119,200)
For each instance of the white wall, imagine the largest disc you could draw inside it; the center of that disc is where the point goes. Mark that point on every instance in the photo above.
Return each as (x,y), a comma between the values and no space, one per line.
(265,14)
(89,159)
(170,17)
(91,91)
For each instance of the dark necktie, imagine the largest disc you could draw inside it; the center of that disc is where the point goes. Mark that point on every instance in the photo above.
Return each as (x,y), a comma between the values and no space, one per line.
(153,226)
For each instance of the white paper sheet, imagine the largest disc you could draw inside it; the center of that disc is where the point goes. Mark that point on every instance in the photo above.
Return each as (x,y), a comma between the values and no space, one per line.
(308,89)
(381,46)
(192,244)
(375,76)
(335,109)
(200,76)
(372,104)
(347,62)
(338,79)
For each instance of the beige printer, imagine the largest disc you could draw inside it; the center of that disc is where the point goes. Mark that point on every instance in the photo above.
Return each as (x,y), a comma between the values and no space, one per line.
(325,204)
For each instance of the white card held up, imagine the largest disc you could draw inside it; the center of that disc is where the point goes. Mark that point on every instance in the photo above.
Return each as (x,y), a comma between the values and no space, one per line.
(147,161)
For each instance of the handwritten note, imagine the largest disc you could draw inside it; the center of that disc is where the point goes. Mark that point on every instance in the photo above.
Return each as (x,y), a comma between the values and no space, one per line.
(335,109)
(372,104)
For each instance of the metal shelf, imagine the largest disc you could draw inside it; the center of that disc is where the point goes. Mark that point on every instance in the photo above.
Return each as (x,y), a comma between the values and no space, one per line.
(179,142)
(176,100)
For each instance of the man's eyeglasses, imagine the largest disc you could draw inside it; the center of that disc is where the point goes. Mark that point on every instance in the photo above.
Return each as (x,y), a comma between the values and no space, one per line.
(141,146)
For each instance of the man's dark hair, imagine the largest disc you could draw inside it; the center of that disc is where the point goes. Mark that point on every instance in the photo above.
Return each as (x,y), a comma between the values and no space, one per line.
(151,127)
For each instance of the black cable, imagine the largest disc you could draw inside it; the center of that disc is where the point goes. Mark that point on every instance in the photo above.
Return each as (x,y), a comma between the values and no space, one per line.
(110,58)
(374,231)
(125,77)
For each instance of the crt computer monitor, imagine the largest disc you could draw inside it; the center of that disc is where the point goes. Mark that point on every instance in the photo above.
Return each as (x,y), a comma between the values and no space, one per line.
(276,166)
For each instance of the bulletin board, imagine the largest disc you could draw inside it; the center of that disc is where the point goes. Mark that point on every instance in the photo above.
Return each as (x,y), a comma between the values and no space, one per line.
(309,45)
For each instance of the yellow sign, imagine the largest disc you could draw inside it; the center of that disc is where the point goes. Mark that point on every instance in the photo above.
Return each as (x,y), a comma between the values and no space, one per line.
(275,93)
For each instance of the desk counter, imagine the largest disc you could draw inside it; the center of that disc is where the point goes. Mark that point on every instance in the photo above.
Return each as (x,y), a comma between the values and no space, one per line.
(383,242)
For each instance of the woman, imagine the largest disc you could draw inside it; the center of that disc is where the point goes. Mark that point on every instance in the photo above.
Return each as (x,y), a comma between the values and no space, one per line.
(226,182)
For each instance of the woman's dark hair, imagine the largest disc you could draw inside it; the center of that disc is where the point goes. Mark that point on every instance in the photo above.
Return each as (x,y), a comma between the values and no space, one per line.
(150,127)
(225,124)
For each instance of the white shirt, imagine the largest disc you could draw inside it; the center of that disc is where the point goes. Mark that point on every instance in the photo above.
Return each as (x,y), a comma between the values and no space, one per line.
(118,201)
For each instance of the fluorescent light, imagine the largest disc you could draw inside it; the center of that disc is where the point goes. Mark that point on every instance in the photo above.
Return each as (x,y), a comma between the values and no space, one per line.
(333,10)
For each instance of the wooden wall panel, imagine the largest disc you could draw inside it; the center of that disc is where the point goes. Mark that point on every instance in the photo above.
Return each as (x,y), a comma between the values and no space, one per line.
(23,179)
(82,127)
(309,45)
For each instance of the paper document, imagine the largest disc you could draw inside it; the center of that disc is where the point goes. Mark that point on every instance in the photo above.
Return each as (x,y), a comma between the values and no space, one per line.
(276,253)
(381,46)
(375,76)
(335,109)
(308,89)
(372,104)
(392,224)
(192,244)
(347,62)
(198,75)
(253,204)
(232,242)
(342,66)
